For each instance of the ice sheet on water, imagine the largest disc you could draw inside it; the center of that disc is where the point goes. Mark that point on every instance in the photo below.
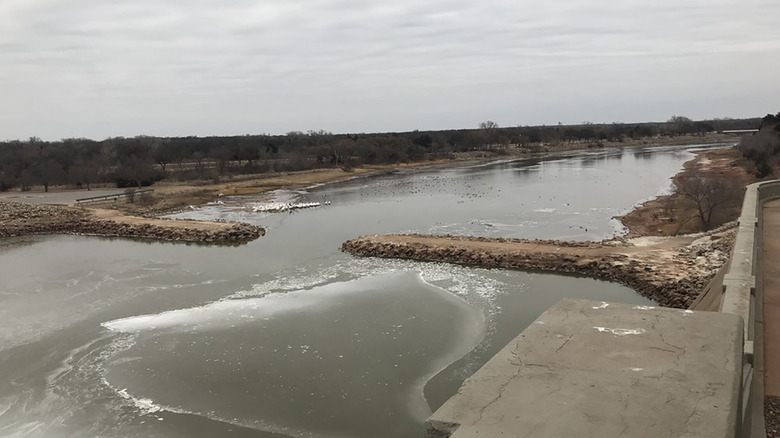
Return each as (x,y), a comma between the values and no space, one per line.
(145,405)
(471,284)
(391,342)
(286,294)
(216,315)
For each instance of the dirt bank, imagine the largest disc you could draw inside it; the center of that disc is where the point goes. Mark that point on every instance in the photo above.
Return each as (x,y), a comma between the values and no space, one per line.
(18,219)
(172,195)
(671,271)
(659,217)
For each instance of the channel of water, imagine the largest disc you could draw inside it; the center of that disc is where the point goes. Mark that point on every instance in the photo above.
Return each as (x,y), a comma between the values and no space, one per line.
(287,336)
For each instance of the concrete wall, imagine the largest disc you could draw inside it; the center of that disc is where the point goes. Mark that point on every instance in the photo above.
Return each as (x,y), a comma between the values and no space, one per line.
(595,369)
(601,369)
(742,297)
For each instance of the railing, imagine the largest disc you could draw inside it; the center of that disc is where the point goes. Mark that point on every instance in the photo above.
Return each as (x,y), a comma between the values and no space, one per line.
(742,297)
(113,197)
(739,131)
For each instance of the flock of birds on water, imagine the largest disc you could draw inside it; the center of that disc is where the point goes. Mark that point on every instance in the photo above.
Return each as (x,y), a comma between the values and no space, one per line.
(277,207)
(466,188)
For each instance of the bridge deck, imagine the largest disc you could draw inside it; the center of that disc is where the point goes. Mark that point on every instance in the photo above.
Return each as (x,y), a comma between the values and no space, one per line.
(770,276)
(605,370)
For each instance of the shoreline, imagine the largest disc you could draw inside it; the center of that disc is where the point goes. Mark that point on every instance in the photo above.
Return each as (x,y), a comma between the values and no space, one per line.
(654,217)
(199,193)
(673,270)
(137,221)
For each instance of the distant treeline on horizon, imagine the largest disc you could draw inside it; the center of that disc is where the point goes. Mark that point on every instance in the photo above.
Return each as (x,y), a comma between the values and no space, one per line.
(142,160)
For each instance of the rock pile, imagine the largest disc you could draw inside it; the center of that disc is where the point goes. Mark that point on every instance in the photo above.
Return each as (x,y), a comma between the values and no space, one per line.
(638,273)
(21,219)
(708,253)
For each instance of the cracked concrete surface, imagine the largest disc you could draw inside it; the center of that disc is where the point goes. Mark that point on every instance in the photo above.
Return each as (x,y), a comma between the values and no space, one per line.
(676,376)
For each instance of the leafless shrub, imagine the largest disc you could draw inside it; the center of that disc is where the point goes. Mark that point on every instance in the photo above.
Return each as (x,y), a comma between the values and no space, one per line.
(146,199)
(707,199)
(130,195)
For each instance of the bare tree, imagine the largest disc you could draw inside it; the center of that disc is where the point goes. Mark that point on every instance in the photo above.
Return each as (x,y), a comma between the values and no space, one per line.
(761,149)
(681,125)
(488,125)
(84,173)
(707,199)
(199,157)
(130,194)
(162,153)
(339,149)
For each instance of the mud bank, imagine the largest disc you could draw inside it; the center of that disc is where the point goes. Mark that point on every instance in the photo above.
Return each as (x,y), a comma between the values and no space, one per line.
(671,271)
(663,215)
(18,219)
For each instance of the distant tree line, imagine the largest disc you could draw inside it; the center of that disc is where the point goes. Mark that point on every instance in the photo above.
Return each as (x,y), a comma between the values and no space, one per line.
(762,149)
(771,122)
(142,160)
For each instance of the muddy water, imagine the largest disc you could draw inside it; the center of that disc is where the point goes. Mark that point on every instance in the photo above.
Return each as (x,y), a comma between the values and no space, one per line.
(286,336)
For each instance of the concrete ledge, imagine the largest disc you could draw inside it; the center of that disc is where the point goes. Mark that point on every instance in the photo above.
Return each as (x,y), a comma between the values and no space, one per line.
(739,282)
(594,369)
(742,297)
(768,190)
(738,299)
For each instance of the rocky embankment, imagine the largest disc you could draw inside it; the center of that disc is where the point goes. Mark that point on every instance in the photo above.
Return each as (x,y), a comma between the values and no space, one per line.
(18,219)
(671,271)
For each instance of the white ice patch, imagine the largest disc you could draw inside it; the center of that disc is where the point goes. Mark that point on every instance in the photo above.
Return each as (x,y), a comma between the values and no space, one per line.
(603,305)
(179,286)
(289,283)
(458,280)
(216,315)
(265,300)
(620,331)
(145,405)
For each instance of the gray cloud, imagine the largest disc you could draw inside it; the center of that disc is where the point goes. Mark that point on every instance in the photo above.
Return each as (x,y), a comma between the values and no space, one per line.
(199,67)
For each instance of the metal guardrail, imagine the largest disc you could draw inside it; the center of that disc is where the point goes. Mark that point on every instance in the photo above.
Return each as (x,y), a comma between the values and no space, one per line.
(113,197)
(739,131)
(742,297)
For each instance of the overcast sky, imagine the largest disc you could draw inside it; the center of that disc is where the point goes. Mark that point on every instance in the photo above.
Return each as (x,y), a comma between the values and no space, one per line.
(99,68)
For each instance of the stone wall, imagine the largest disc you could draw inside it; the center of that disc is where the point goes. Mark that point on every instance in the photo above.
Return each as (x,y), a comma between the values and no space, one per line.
(678,293)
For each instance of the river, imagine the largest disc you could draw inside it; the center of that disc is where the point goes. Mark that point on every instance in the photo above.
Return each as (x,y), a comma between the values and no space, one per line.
(287,336)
